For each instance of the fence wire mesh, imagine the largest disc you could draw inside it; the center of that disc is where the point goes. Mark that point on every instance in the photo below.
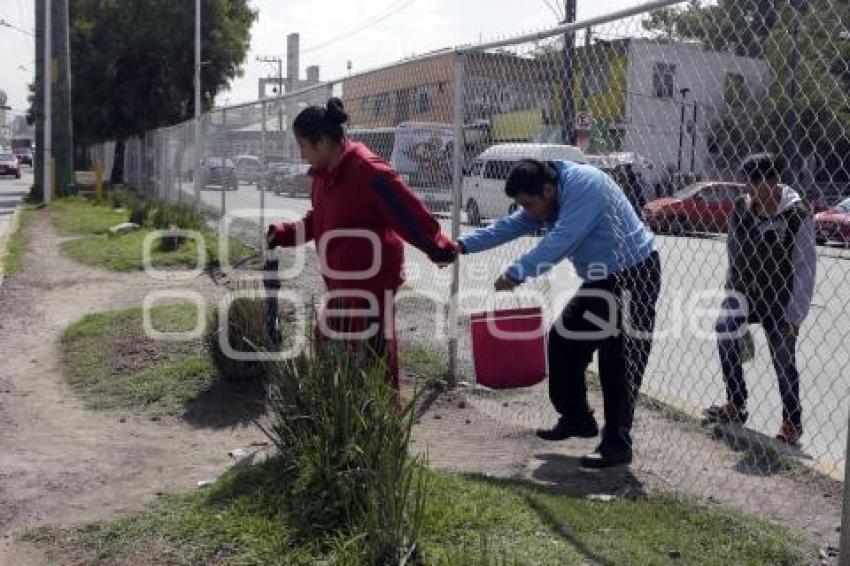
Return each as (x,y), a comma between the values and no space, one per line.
(667,103)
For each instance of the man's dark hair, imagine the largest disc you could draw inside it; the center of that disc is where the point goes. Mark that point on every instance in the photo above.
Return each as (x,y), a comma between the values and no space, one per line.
(529,176)
(762,166)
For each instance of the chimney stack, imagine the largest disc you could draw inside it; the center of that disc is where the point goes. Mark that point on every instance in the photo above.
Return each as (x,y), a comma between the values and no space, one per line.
(293,61)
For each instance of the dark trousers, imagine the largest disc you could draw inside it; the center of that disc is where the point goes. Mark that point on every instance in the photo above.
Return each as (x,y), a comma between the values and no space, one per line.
(782,340)
(626,303)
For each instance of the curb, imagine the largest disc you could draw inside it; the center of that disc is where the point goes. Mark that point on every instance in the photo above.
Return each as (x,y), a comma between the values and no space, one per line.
(14,225)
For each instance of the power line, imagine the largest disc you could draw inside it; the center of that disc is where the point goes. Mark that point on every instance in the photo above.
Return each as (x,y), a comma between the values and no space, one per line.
(4,23)
(393,9)
(558,16)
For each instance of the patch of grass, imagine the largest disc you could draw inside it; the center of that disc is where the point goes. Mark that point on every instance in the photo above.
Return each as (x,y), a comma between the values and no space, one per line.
(468,521)
(77,216)
(124,252)
(423,362)
(17,244)
(112,364)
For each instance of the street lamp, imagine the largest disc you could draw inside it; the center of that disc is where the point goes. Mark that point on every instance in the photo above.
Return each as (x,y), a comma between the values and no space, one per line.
(684,92)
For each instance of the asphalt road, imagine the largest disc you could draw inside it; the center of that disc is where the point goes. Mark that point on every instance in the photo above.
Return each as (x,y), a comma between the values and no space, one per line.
(684,367)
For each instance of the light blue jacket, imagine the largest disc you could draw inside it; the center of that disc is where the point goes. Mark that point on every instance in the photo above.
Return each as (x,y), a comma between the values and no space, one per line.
(595,227)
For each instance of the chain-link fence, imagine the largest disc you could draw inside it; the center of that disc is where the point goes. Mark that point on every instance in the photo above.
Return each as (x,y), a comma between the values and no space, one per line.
(668,99)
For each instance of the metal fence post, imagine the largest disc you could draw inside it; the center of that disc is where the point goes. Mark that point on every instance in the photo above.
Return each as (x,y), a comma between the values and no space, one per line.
(224,160)
(844,558)
(459,150)
(262,169)
(196,169)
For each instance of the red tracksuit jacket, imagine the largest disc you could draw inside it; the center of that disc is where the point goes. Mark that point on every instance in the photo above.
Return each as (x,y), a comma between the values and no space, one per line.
(364,193)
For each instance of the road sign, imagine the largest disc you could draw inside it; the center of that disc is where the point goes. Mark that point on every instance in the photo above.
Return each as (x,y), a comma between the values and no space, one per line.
(584,121)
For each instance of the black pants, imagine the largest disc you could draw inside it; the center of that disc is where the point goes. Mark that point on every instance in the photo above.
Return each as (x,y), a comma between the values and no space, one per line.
(615,316)
(782,341)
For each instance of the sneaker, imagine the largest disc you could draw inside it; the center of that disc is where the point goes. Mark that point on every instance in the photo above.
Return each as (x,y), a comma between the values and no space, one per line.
(790,433)
(608,456)
(583,427)
(727,413)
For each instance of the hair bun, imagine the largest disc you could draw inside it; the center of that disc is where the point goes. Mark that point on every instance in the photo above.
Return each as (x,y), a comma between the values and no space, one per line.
(336,111)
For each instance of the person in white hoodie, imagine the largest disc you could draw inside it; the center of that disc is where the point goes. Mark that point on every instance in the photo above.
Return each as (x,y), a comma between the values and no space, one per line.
(770,282)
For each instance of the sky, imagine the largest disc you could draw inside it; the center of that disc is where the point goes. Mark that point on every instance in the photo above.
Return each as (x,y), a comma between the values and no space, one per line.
(373,32)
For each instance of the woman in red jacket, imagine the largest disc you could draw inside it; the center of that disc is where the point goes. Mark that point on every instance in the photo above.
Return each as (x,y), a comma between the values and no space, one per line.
(362,212)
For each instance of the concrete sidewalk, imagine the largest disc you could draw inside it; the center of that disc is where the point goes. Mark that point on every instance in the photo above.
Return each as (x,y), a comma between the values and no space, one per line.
(12,193)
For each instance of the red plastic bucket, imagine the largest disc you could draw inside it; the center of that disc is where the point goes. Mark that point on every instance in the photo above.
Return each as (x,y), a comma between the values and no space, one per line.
(509,347)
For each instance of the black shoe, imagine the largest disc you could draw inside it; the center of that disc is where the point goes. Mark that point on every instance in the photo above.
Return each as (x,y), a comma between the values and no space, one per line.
(583,427)
(607,456)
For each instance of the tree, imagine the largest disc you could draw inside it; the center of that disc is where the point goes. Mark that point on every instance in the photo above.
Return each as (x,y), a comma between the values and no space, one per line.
(739,26)
(762,29)
(132,62)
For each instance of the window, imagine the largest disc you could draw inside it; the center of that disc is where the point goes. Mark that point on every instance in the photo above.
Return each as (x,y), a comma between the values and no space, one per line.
(597,78)
(498,170)
(423,99)
(664,79)
(718,194)
(477,166)
(736,92)
(382,104)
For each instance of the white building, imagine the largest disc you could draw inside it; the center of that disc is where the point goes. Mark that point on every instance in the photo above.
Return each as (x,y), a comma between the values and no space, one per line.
(716,82)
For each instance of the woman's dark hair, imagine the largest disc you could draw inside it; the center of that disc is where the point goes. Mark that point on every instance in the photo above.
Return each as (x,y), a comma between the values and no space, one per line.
(529,176)
(315,123)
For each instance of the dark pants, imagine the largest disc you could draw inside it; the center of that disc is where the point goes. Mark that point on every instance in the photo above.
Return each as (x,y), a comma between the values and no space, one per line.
(383,341)
(782,340)
(626,303)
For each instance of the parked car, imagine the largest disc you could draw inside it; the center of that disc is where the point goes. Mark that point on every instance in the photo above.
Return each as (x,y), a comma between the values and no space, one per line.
(248,169)
(218,172)
(701,207)
(834,224)
(9,165)
(296,182)
(270,170)
(24,155)
(484,186)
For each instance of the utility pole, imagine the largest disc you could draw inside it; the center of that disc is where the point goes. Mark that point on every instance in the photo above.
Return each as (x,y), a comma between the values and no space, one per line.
(40,74)
(196,176)
(279,62)
(63,136)
(568,133)
(790,150)
(49,73)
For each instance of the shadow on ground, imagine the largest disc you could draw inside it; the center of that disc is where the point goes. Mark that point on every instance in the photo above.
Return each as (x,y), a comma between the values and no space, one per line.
(564,473)
(226,404)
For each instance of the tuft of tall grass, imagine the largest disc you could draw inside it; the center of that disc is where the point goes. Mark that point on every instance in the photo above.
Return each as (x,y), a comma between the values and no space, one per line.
(245,331)
(344,442)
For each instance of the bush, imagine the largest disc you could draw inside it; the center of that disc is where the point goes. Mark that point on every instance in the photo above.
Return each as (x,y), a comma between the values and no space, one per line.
(164,216)
(344,441)
(246,332)
(139,210)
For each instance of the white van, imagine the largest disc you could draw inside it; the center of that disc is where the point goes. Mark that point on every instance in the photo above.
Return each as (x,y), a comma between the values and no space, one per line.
(484,185)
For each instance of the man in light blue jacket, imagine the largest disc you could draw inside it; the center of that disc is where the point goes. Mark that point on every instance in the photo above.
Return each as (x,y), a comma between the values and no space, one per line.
(589,221)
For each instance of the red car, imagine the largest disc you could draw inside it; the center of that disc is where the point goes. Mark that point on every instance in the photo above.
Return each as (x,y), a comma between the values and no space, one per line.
(701,207)
(9,165)
(834,224)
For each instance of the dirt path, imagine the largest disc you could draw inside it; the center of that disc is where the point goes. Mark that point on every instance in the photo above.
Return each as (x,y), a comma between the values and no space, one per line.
(63,464)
